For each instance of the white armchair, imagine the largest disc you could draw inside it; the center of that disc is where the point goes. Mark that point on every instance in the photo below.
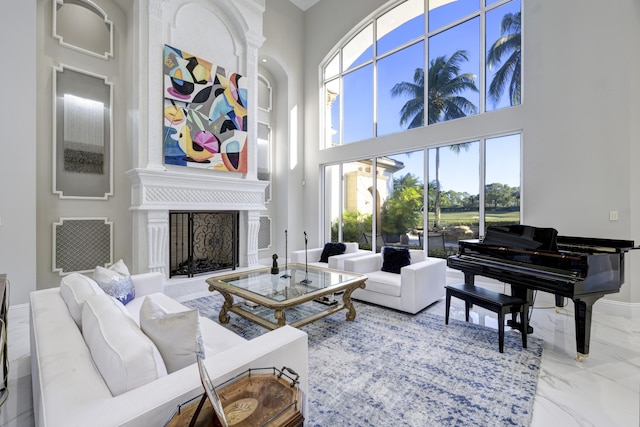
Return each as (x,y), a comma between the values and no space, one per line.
(418,285)
(335,261)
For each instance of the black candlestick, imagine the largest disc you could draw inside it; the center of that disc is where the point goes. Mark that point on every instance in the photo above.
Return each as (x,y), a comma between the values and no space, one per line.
(306,280)
(286,255)
(274,266)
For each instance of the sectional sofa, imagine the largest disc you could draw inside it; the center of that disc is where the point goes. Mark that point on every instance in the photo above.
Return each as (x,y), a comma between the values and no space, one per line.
(92,365)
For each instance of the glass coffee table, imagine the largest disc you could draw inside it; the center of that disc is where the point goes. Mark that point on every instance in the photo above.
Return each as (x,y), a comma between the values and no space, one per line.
(286,290)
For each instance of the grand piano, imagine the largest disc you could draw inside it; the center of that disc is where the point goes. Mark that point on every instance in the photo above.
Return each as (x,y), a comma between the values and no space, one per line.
(537,259)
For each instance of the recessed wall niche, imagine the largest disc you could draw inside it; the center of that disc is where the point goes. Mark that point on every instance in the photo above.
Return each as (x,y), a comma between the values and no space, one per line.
(82,25)
(82,135)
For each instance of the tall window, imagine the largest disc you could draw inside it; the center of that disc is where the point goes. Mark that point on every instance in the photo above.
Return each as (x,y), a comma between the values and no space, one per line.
(454,211)
(463,205)
(376,202)
(502,181)
(376,84)
(381,201)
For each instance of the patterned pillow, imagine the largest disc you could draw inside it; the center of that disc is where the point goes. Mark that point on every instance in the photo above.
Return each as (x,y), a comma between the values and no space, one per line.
(393,259)
(331,249)
(116,281)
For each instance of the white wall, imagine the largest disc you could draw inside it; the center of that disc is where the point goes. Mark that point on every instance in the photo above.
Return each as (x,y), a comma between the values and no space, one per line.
(284,51)
(18,151)
(51,207)
(578,117)
(326,24)
(633,85)
(578,128)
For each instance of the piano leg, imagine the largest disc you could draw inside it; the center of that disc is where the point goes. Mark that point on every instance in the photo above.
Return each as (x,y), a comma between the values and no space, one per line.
(559,303)
(583,308)
(469,278)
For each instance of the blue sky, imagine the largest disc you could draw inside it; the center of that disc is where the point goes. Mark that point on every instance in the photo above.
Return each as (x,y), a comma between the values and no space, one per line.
(462,172)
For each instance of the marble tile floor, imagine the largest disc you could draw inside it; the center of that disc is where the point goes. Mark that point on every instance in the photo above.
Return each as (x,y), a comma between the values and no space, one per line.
(603,390)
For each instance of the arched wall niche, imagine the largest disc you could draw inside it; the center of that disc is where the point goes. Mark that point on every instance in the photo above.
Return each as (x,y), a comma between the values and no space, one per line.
(213,30)
(229,38)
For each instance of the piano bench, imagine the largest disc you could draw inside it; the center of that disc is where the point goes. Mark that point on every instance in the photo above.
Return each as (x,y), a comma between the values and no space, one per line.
(490,300)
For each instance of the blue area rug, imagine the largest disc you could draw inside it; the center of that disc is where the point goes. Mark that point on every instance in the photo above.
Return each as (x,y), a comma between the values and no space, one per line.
(389,368)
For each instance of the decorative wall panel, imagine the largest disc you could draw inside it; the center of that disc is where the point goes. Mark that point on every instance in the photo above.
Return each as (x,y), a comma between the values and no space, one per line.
(264,94)
(264,158)
(81,244)
(82,134)
(264,236)
(95,34)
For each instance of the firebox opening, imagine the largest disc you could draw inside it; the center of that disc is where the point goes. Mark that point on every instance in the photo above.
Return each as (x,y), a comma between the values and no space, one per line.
(202,242)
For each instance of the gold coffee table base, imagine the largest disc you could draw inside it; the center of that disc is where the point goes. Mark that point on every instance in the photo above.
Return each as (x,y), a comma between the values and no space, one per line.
(296,294)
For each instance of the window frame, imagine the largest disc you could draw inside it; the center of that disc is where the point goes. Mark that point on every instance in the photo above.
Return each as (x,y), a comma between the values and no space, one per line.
(325,114)
(325,221)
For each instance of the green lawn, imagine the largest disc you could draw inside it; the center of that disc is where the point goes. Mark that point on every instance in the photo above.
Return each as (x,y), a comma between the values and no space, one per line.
(467,218)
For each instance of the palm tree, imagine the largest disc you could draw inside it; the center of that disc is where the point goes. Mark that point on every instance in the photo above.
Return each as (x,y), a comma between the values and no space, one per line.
(402,211)
(509,43)
(407,181)
(445,84)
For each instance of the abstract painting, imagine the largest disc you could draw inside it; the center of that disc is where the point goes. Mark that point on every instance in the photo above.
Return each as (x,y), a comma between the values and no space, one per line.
(205,114)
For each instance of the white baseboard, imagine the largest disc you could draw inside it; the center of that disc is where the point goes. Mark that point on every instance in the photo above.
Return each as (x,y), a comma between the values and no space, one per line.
(617,308)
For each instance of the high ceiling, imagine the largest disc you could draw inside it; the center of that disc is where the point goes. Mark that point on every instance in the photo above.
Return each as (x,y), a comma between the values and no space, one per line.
(304,4)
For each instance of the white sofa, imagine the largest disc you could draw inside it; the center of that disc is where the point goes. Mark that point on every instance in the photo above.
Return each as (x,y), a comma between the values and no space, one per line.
(336,261)
(69,390)
(418,285)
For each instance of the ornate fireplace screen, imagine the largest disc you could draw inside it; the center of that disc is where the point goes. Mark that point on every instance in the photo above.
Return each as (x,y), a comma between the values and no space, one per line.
(202,242)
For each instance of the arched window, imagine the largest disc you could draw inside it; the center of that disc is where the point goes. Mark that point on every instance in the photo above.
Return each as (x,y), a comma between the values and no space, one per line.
(404,68)
(375,81)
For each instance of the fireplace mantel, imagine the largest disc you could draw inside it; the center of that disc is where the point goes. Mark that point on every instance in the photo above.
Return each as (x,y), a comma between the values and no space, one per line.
(168,190)
(156,192)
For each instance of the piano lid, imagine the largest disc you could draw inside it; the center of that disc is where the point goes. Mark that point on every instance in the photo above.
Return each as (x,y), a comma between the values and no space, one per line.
(522,237)
(525,247)
(526,237)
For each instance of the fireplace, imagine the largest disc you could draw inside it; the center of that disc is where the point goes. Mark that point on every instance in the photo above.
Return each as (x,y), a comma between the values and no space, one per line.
(155,194)
(202,242)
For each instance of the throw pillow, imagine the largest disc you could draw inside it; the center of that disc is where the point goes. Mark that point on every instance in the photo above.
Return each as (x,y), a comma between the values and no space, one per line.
(393,259)
(177,335)
(331,249)
(75,289)
(125,357)
(121,268)
(116,281)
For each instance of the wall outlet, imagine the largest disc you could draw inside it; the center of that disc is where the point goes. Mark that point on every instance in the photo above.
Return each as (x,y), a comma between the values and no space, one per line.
(613,215)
